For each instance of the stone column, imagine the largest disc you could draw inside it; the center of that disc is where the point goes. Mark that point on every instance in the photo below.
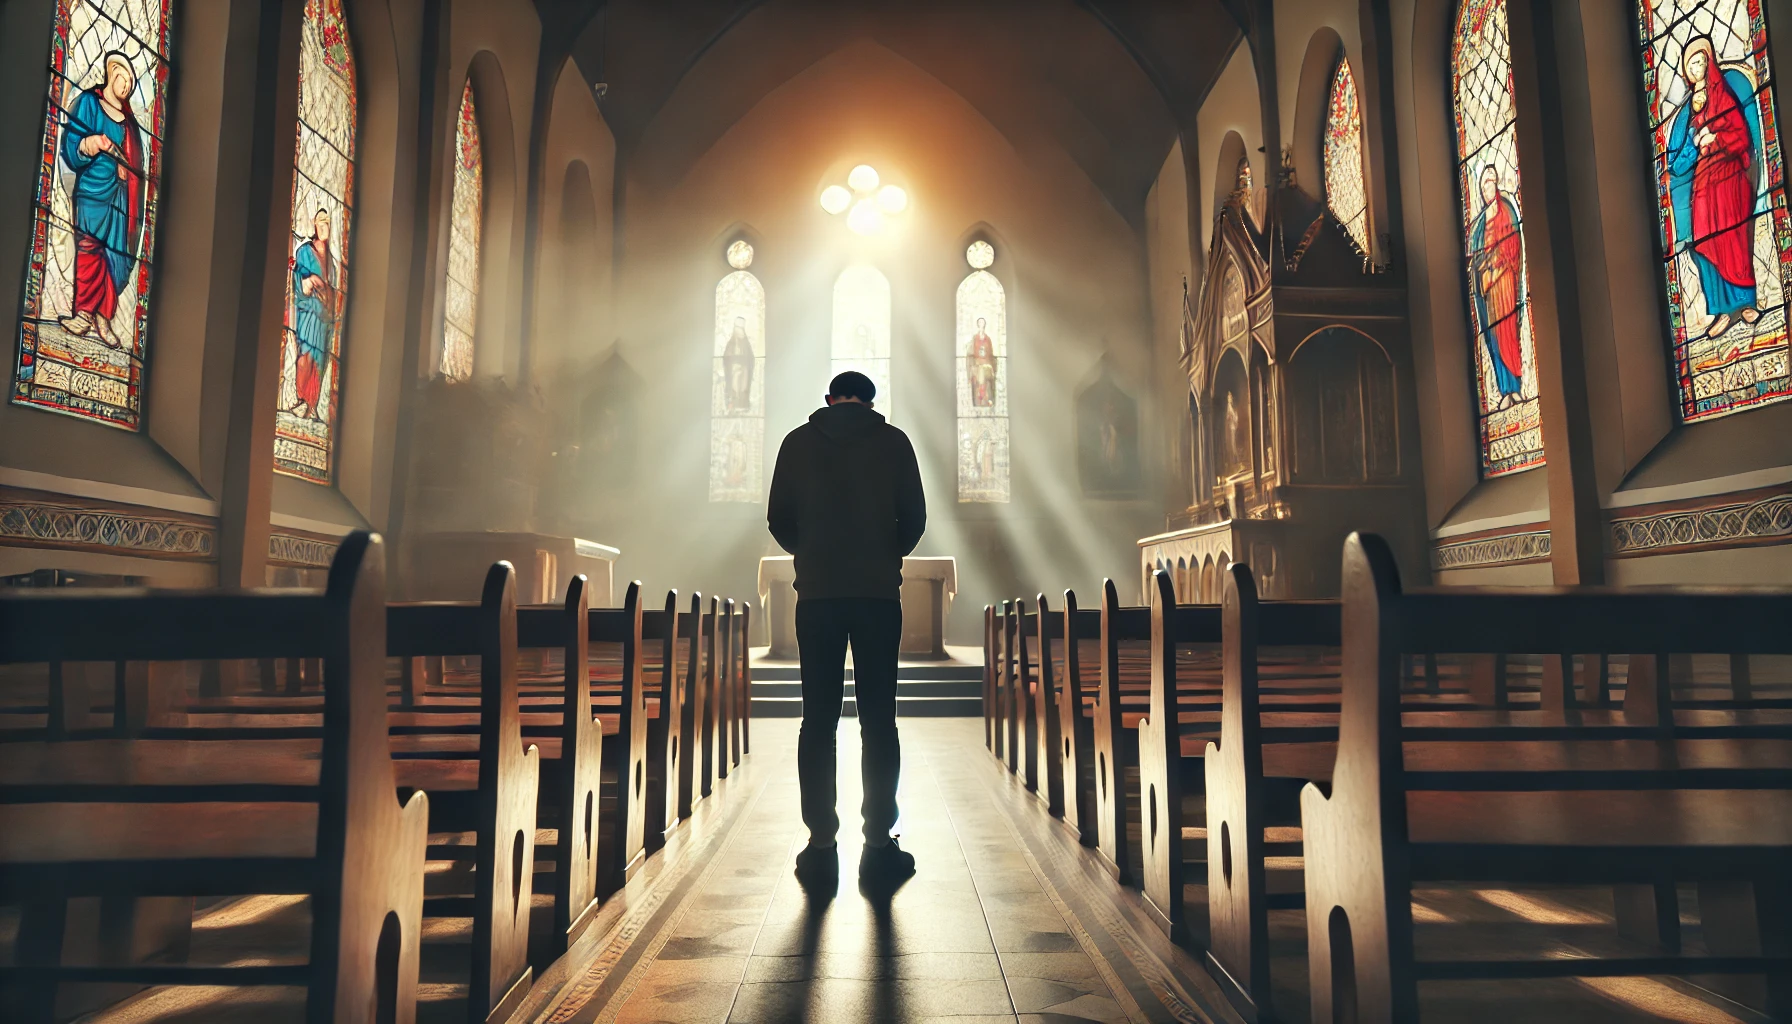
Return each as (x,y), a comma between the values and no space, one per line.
(268,74)
(1576,544)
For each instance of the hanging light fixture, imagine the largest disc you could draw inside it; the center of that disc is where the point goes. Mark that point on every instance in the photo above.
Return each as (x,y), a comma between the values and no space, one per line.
(865,200)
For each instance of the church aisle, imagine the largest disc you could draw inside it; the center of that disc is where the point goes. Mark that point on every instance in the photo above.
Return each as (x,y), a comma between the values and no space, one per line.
(1005,919)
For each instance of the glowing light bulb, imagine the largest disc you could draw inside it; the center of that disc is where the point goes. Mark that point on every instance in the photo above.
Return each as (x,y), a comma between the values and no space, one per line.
(865,218)
(835,199)
(863,178)
(891,199)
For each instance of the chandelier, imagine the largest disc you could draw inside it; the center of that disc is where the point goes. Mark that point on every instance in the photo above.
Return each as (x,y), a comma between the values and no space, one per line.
(864,203)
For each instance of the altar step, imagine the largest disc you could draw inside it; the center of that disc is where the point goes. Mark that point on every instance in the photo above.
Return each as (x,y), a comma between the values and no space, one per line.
(934,695)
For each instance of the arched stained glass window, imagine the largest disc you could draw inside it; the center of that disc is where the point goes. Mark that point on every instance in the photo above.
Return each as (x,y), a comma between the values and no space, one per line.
(323,216)
(982,381)
(737,388)
(1344,191)
(1505,377)
(466,209)
(861,337)
(84,317)
(1720,180)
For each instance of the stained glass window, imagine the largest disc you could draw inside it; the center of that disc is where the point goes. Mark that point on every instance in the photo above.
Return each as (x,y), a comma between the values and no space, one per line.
(861,339)
(737,384)
(1344,191)
(461,306)
(84,316)
(1720,183)
(1493,233)
(323,187)
(982,381)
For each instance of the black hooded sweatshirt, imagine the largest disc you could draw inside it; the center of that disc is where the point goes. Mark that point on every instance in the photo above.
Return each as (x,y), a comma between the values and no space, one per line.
(846,501)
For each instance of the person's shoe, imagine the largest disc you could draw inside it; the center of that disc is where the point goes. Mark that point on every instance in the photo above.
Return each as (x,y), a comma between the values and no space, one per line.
(818,863)
(887,862)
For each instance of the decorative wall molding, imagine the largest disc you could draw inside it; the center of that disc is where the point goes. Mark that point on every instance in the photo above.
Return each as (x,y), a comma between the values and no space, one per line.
(286,548)
(1498,549)
(1760,518)
(54,521)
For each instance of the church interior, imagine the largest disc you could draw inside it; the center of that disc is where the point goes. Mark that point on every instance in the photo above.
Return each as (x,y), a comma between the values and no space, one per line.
(1357,441)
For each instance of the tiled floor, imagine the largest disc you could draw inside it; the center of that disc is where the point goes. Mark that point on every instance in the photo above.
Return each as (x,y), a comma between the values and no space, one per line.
(982,932)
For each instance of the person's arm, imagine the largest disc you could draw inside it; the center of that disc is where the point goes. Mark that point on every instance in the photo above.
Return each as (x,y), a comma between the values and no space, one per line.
(781,505)
(911,504)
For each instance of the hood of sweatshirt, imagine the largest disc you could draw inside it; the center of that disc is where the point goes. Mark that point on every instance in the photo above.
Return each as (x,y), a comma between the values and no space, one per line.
(846,420)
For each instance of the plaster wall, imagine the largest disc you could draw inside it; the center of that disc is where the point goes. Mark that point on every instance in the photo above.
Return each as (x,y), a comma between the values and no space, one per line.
(1232,107)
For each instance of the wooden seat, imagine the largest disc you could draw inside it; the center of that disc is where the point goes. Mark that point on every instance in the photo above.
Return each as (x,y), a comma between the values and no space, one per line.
(502,810)
(1377,832)
(145,817)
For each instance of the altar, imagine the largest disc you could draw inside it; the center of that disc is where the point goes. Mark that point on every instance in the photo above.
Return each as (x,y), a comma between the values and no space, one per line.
(928,586)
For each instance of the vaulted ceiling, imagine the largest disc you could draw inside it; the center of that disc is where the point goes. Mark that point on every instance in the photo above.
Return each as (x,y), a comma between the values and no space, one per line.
(1108,81)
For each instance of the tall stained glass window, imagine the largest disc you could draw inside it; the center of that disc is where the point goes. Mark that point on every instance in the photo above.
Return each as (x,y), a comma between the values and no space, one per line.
(84,317)
(861,339)
(323,187)
(737,384)
(1505,375)
(982,380)
(1344,191)
(1720,181)
(465,211)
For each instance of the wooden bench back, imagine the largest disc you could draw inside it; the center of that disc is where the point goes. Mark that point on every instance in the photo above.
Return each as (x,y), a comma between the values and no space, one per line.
(1118,625)
(1076,729)
(665,744)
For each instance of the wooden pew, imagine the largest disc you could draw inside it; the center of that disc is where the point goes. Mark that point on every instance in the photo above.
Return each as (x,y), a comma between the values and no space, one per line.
(500,807)
(1007,683)
(1076,722)
(1377,834)
(665,735)
(1043,719)
(1116,746)
(742,743)
(689,629)
(722,685)
(223,818)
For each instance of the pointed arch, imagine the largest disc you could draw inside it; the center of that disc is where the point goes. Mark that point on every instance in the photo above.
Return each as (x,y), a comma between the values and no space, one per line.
(737,389)
(466,214)
(323,214)
(1345,192)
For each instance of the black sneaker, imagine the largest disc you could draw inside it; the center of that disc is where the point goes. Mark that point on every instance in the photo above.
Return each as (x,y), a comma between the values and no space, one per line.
(888,861)
(818,863)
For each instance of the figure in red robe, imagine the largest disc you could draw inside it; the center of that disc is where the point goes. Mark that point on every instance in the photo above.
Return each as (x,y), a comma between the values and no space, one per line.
(1711,150)
(1496,279)
(103,146)
(980,367)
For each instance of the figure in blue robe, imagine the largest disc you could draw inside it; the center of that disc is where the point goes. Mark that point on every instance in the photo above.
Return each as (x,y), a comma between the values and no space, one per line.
(314,313)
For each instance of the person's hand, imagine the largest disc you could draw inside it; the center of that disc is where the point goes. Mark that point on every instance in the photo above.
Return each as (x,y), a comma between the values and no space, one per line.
(93,145)
(306,284)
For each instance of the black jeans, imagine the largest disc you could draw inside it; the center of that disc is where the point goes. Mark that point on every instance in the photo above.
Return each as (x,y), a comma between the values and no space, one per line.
(823,628)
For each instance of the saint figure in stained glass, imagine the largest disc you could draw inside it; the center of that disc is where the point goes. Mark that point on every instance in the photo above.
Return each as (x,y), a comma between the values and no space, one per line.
(322,215)
(737,391)
(466,208)
(981,366)
(314,315)
(1723,220)
(1344,190)
(1505,377)
(85,312)
(737,367)
(1496,274)
(982,349)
